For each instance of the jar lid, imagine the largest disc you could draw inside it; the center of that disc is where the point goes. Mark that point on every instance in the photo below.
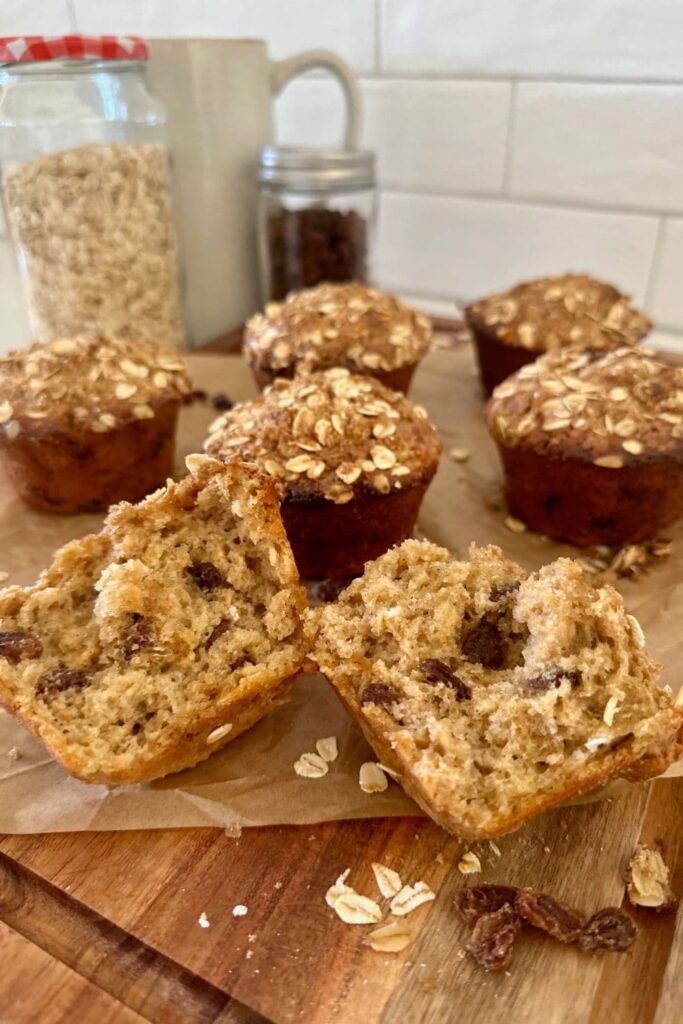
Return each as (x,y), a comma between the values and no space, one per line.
(23,49)
(316,169)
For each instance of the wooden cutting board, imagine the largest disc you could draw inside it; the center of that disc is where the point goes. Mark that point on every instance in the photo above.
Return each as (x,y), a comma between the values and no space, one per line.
(104,926)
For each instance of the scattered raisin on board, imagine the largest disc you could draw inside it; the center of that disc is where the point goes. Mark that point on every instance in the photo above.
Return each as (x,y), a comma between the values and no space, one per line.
(544,912)
(221,402)
(16,645)
(608,931)
(476,900)
(379,693)
(493,938)
(435,671)
(59,679)
(206,575)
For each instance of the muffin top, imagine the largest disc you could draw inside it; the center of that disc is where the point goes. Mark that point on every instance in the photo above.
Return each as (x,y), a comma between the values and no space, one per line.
(87,383)
(612,407)
(330,435)
(552,312)
(337,325)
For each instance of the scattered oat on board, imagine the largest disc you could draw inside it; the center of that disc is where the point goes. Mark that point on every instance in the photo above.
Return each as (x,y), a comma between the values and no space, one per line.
(515,525)
(629,561)
(388,881)
(353,908)
(311,766)
(371,778)
(647,879)
(459,454)
(327,748)
(410,897)
(389,938)
(203,920)
(240,910)
(469,863)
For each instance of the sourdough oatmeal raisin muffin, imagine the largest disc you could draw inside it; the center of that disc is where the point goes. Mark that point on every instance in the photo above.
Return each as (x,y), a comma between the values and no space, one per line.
(88,421)
(592,444)
(353,458)
(513,328)
(490,693)
(350,325)
(148,646)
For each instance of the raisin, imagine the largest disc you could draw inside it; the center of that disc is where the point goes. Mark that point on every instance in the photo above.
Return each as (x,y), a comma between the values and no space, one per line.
(59,679)
(16,646)
(221,402)
(206,575)
(552,678)
(476,900)
(327,591)
(503,590)
(435,671)
(484,644)
(608,931)
(544,912)
(138,636)
(493,937)
(379,693)
(217,631)
(198,395)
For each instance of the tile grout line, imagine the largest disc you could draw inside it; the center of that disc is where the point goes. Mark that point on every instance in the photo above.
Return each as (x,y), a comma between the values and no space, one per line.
(510,138)
(656,262)
(71,12)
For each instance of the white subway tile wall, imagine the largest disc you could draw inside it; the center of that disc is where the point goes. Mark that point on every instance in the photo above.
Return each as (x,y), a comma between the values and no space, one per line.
(514,137)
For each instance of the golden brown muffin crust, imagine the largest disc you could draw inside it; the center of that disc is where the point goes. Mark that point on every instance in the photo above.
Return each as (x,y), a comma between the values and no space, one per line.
(337,325)
(332,435)
(87,383)
(611,408)
(550,313)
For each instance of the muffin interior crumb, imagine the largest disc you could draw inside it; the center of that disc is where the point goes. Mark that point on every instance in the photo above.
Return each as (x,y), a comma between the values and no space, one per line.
(141,634)
(491,686)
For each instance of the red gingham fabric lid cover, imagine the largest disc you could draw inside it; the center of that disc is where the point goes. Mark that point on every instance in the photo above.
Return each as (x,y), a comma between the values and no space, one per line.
(15,49)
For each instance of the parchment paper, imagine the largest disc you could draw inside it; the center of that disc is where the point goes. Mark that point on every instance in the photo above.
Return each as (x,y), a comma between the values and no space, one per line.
(251,781)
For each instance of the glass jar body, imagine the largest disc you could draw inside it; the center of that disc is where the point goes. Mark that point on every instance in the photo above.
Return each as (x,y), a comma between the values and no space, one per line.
(86,193)
(307,237)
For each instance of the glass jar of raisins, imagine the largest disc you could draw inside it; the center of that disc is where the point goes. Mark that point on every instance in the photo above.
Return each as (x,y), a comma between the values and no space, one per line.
(316,217)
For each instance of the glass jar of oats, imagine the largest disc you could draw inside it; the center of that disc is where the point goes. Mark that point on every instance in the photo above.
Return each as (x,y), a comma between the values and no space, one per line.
(86,189)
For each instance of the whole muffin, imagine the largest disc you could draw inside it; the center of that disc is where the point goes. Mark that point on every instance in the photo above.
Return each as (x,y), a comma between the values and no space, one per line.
(86,422)
(353,459)
(350,325)
(592,444)
(513,328)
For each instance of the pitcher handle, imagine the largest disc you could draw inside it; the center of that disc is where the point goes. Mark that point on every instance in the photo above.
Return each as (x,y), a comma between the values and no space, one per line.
(282,71)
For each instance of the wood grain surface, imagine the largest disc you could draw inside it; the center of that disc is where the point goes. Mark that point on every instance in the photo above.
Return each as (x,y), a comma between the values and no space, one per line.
(104,926)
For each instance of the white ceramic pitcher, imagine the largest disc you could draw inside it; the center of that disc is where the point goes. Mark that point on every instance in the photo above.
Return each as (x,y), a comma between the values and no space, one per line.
(218,94)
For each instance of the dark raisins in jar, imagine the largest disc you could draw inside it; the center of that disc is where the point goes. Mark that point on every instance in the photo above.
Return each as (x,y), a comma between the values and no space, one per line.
(435,671)
(379,693)
(206,575)
(493,938)
(476,900)
(503,590)
(608,931)
(16,645)
(58,680)
(553,678)
(484,645)
(544,912)
(217,631)
(139,635)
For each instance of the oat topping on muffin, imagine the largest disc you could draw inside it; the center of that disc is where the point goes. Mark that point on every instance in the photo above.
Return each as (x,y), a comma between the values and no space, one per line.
(611,407)
(88,383)
(331,434)
(572,309)
(337,325)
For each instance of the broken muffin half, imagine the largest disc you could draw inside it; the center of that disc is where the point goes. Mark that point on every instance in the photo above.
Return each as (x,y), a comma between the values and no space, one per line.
(492,694)
(148,646)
